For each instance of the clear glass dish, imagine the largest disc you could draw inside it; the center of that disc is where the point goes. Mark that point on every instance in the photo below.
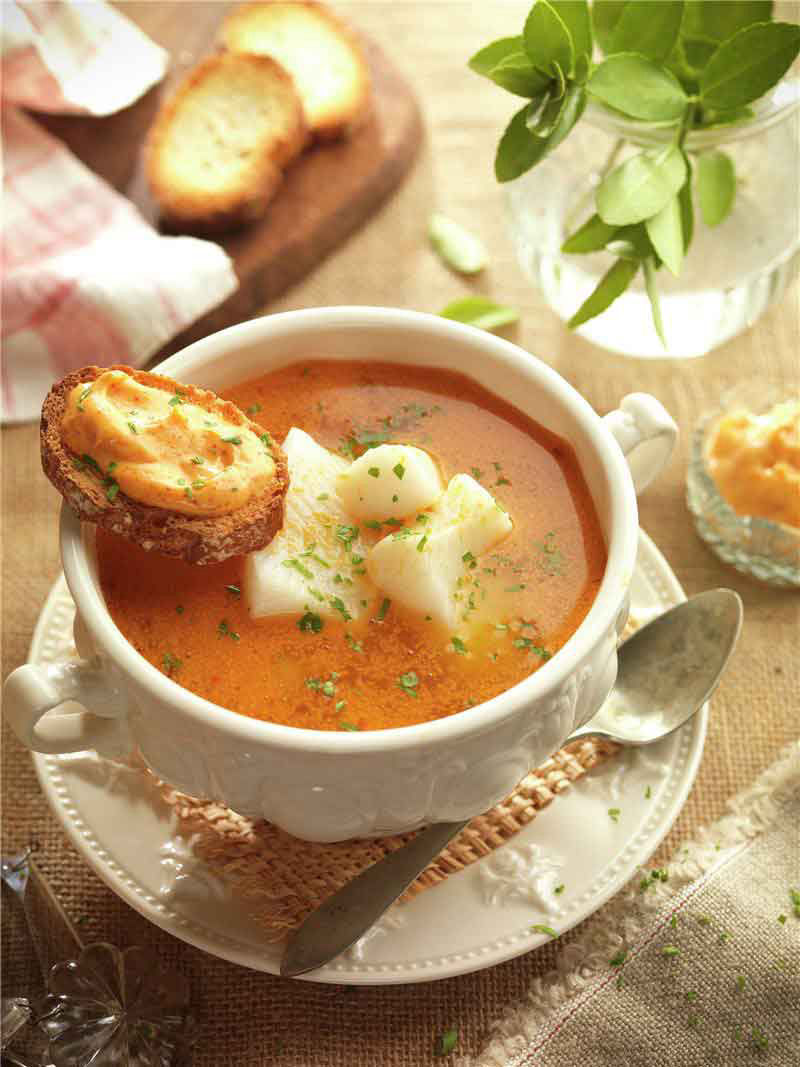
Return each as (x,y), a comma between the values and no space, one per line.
(766,550)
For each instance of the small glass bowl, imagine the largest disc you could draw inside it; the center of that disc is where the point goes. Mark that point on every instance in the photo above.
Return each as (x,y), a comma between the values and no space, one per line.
(766,550)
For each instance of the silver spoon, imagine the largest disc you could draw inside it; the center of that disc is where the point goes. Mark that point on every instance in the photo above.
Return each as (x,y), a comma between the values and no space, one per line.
(667,670)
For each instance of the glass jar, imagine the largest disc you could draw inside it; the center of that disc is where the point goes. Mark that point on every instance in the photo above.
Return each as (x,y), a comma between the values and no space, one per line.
(759,547)
(732,272)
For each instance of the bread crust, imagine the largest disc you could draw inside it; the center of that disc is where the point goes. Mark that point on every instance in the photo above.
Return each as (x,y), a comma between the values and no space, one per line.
(338,122)
(240,204)
(199,540)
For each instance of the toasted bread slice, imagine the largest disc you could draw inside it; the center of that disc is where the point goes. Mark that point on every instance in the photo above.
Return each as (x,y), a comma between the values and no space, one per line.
(195,539)
(216,150)
(321,53)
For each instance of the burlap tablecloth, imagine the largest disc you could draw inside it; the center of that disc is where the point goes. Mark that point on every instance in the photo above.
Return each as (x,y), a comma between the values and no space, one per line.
(248,1017)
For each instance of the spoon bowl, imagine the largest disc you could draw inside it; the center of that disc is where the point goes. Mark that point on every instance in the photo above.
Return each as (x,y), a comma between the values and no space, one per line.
(667,671)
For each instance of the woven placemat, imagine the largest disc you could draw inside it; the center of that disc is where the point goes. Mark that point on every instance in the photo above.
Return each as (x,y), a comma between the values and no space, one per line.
(282,879)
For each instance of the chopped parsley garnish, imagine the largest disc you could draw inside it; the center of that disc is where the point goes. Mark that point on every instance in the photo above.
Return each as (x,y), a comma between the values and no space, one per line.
(310,622)
(531,646)
(347,534)
(176,399)
(741,982)
(234,439)
(337,604)
(385,605)
(661,874)
(296,565)
(132,427)
(374,472)
(198,460)
(399,470)
(673,922)
(323,496)
(470,560)
(670,950)
(613,813)
(265,440)
(179,609)
(111,491)
(355,560)
(502,481)
(349,726)
(355,645)
(691,996)
(693,1019)
(459,646)
(648,793)
(171,663)
(515,588)
(234,589)
(619,959)
(794,896)
(476,473)
(198,484)
(224,630)
(395,498)
(446,1043)
(558,889)
(422,542)
(82,397)
(372,524)
(254,409)
(540,928)
(408,682)
(327,688)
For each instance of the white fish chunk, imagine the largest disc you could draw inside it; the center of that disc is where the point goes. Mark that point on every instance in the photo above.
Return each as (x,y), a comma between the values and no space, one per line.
(420,566)
(390,482)
(317,561)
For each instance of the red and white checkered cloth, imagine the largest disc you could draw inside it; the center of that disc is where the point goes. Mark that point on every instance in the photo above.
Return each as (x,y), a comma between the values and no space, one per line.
(85,278)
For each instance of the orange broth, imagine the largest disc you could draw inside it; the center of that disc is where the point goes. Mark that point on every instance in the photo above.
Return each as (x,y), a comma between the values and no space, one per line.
(191,622)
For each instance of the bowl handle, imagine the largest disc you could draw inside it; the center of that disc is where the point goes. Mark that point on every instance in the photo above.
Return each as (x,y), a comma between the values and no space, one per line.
(32,694)
(646,433)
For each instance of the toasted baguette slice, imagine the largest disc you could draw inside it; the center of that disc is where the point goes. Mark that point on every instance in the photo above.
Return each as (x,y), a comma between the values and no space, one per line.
(321,53)
(216,150)
(198,539)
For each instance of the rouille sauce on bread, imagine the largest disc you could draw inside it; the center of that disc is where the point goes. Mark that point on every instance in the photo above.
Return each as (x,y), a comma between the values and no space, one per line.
(164,450)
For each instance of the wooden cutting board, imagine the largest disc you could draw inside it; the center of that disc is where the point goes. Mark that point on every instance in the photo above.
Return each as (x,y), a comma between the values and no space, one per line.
(327,193)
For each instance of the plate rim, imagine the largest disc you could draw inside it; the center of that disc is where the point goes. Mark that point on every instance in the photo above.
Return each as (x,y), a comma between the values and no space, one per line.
(220,945)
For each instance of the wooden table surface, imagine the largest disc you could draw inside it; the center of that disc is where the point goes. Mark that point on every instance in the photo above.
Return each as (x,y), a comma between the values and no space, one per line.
(389,263)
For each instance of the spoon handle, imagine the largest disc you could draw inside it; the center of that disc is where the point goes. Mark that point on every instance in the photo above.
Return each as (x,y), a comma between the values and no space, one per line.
(341,919)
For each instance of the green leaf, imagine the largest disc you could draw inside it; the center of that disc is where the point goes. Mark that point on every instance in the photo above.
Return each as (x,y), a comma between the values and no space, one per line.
(652,295)
(520,148)
(610,286)
(641,186)
(486,59)
(716,186)
(457,247)
(637,87)
(505,63)
(717,20)
(711,117)
(481,312)
(687,208)
(547,39)
(605,16)
(665,231)
(649,29)
(575,16)
(745,66)
(591,237)
(517,75)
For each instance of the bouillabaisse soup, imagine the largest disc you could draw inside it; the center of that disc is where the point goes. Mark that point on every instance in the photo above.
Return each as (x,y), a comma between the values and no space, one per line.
(515,605)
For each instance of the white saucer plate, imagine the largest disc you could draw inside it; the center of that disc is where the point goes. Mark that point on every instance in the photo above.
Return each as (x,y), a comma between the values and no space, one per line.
(477,918)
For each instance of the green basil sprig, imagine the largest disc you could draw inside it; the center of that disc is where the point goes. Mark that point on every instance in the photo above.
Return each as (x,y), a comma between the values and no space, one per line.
(680,64)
